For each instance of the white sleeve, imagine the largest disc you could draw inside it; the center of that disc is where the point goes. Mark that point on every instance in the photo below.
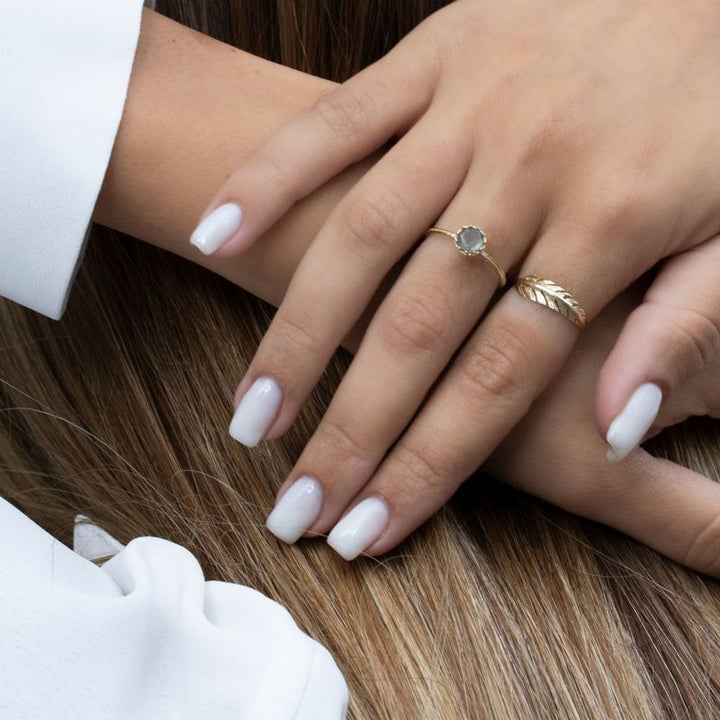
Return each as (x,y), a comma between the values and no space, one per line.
(146,637)
(64,71)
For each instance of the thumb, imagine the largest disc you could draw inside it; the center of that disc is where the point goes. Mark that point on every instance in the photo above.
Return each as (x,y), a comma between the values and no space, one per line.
(673,335)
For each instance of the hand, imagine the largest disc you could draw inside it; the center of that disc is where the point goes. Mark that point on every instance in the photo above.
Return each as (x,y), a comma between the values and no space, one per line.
(605,168)
(556,454)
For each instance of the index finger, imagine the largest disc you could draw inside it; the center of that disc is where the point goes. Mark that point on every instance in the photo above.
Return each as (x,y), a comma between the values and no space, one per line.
(342,127)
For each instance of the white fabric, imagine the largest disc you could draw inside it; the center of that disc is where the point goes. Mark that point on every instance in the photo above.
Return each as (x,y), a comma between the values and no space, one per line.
(92,542)
(64,71)
(144,637)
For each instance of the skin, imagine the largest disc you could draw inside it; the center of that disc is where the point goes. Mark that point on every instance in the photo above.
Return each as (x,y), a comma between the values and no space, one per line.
(171,153)
(662,504)
(197,108)
(610,168)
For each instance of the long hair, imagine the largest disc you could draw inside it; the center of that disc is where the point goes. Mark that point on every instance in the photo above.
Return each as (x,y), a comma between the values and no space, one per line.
(500,607)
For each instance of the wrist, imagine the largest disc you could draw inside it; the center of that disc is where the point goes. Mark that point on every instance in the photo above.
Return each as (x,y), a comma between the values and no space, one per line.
(196,109)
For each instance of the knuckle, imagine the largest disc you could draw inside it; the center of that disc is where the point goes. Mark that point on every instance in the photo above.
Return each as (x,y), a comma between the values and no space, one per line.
(495,367)
(413,168)
(554,133)
(450,34)
(337,441)
(622,207)
(345,112)
(703,552)
(426,468)
(444,48)
(700,333)
(417,322)
(295,333)
(688,338)
(371,223)
(276,175)
(540,143)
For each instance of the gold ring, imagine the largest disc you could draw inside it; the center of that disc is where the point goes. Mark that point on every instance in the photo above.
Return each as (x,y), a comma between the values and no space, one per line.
(471,240)
(547,293)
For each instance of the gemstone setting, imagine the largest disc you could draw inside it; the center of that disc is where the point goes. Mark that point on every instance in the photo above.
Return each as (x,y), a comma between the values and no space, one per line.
(470,240)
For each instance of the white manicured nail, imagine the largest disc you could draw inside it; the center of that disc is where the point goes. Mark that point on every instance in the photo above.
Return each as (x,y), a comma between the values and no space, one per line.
(360,528)
(256,411)
(92,542)
(217,228)
(296,510)
(636,418)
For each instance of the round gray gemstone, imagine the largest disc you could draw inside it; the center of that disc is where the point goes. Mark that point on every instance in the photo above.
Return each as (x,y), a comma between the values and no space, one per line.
(471,240)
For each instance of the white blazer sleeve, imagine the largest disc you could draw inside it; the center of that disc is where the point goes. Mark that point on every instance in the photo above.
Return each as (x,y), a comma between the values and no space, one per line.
(64,72)
(146,637)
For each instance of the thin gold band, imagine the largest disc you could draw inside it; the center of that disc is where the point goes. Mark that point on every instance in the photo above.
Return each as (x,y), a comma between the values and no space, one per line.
(552,296)
(479,250)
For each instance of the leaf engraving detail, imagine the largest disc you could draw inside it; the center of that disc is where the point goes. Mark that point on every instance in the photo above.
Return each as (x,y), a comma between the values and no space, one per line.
(547,293)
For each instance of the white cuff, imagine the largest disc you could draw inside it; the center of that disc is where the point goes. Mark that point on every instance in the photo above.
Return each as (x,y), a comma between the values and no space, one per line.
(64,71)
(146,637)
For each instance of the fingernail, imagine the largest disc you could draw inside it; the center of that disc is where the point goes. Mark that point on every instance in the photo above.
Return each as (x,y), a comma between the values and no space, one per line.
(256,411)
(296,510)
(92,542)
(217,228)
(636,418)
(360,528)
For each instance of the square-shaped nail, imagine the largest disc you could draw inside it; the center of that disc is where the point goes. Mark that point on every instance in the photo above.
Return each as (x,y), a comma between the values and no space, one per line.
(632,423)
(296,510)
(360,528)
(217,228)
(256,411)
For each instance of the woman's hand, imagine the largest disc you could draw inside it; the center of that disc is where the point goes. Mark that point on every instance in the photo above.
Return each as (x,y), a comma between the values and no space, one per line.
(582,137)
(556,454)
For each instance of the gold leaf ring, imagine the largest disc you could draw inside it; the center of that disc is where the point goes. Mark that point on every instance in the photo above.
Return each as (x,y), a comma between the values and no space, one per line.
(552,296)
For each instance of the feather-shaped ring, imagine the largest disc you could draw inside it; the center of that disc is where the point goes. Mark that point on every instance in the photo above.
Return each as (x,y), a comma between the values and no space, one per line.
(552,296)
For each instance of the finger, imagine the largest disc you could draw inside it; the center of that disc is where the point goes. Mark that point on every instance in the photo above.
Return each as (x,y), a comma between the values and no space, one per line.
(367,233)
(343,126)
(556,454)
(489,386)
(673,335)
(668,507)
(503,367)
(427,314)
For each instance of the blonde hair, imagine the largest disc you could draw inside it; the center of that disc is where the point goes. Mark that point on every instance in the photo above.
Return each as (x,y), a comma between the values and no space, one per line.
(500,607)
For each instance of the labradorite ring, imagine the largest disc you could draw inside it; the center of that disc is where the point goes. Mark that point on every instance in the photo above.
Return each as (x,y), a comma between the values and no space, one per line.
(470,240)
